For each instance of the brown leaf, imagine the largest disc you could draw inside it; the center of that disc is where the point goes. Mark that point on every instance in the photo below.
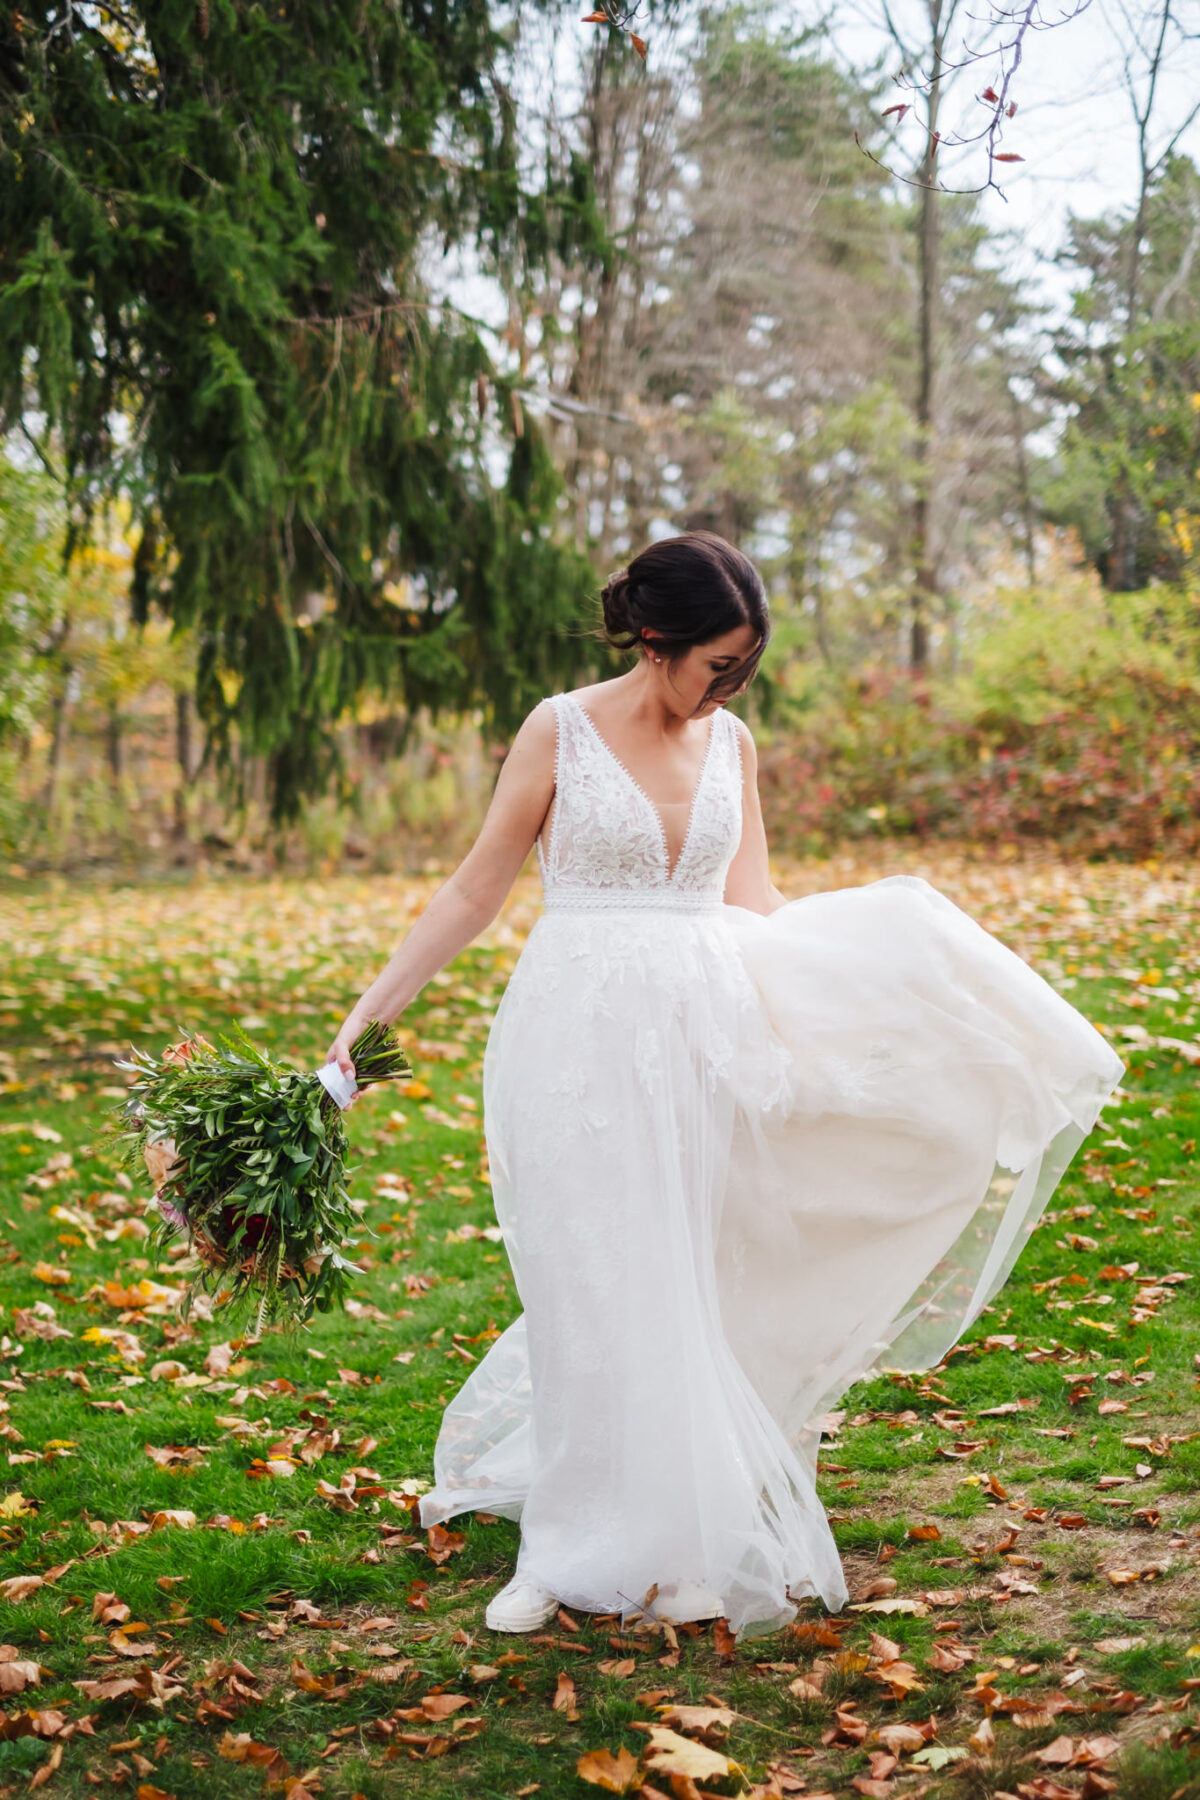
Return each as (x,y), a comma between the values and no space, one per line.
(564,1697)
(824,1633)
(617,1774)
(983,1739)
(924,1533)
(894,1603)
(709,1723)
(950,1657)
(220,1359)
(43,1774)
(176,1456)
(17,1673)
(108,1610)
(877,1589)
(437,1707)
(443,1544)
(847,1728)
(1059,1754)
(899,1738)
(19,1587)
(127,1647)
(900,1678)
(243,1749)
(724,1640)
(804,1688)
(113,1687)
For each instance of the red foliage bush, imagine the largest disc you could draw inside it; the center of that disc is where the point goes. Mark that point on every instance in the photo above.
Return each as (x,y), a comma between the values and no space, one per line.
(1112,770)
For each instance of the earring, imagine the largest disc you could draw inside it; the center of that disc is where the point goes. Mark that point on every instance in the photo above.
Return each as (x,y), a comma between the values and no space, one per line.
(658,659)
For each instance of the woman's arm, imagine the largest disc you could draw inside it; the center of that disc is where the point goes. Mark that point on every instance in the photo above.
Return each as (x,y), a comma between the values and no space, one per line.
(469,900)
(749,881)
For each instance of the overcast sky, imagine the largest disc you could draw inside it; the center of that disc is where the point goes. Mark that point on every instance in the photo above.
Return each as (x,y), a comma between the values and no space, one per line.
(1074,124)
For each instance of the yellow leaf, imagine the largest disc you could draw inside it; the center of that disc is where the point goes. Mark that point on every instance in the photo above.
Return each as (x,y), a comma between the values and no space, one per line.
(669,1754)
(617,1774)
(51,1274)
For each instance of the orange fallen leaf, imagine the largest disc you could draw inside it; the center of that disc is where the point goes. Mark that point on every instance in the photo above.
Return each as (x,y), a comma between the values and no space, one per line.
(564,1697)
(53,1276)
(617,1774)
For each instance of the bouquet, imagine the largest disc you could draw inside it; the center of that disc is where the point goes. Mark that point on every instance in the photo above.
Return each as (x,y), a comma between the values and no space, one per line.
(247,1158)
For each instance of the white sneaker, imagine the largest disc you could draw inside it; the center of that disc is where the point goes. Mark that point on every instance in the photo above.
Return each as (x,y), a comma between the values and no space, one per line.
(685,1601)
(521,1606)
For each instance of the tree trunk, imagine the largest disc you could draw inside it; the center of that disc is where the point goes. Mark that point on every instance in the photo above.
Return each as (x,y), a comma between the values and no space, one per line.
(114,740)
(55,652)
(1023,484)
(58,737)
(925,584)
(183,756)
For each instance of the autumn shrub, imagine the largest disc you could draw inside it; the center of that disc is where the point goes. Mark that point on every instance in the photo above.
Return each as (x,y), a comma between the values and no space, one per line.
(1078,731)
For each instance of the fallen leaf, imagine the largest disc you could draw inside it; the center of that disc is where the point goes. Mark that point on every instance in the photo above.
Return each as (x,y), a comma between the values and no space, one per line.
(17,1673)
(564,1697)
(709,1723)
(895,1604)
(19,1587)
(617,1774)
(243,1749)
(667,1753)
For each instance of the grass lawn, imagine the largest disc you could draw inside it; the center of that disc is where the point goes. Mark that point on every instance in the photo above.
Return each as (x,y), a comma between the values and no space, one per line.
(212,1581)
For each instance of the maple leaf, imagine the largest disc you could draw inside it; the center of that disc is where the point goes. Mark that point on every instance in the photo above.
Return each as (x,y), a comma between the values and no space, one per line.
(709,1723)
(617,1774)
(669,1754)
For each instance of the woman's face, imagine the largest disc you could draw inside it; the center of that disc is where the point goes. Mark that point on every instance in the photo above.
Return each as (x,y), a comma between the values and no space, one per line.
(687,681)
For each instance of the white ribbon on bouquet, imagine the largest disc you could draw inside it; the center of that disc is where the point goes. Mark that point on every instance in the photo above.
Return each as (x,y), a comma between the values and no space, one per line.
(337,1085)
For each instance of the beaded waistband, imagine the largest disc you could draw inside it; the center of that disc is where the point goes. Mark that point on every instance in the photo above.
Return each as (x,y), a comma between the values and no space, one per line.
(559,899)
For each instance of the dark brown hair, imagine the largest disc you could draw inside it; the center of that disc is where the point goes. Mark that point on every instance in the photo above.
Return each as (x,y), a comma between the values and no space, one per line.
(684,591)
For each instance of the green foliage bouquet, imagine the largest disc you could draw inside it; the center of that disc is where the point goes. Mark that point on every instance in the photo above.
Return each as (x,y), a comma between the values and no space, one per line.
(247,1157)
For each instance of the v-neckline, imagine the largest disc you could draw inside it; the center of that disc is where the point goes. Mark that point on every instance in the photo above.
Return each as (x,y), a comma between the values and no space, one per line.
(637,786)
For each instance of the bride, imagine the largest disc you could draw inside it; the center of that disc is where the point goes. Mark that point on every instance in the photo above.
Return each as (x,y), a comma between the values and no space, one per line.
(742,1150)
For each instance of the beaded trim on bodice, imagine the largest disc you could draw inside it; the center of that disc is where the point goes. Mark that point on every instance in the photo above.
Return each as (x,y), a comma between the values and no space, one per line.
(607,847)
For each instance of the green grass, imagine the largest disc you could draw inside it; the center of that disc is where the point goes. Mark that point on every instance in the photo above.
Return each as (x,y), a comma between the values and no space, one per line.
(274,1578)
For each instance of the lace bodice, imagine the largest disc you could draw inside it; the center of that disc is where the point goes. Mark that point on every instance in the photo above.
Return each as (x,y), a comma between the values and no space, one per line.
(607,845)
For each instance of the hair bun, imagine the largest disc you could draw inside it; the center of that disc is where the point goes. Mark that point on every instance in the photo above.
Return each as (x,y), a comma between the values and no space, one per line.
(616,597)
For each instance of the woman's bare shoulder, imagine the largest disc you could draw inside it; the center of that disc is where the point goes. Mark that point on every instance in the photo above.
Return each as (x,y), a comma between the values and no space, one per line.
(538,729)
(745,738)
(592,690)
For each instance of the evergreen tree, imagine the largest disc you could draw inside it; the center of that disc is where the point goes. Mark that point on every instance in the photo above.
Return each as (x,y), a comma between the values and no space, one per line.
(218,220)
(1125,476)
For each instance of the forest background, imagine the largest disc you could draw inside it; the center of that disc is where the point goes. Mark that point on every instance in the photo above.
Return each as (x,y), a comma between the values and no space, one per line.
(293,535)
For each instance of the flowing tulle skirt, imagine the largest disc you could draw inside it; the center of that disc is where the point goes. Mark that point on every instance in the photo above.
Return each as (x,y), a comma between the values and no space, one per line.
(738,1161)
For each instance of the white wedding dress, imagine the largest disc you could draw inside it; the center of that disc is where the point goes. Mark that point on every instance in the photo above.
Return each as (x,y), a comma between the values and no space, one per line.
(738,1161)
